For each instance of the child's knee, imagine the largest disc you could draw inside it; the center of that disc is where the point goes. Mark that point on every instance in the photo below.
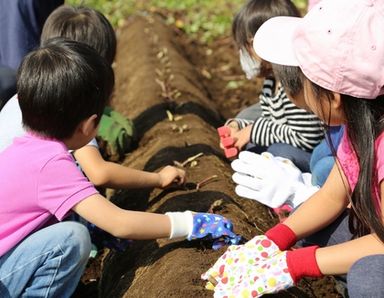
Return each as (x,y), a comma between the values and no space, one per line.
(77,240)
(365,277)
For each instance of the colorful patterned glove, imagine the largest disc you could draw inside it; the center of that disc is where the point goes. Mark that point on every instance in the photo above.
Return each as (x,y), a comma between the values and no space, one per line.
(238,257)
(268,276)
(116,134)
(234,262)
(213,226)
(206,226)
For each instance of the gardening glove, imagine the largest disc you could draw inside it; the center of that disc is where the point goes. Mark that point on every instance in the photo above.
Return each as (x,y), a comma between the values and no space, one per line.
(270,180)
(205,226)
(235,260)
(116,133)
(274,274)
(101,239)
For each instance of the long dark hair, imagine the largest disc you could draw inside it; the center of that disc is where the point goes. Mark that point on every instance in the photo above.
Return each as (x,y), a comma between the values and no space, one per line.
(365,122)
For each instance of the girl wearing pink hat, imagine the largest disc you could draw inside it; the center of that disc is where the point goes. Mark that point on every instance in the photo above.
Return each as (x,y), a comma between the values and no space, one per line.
(339,47)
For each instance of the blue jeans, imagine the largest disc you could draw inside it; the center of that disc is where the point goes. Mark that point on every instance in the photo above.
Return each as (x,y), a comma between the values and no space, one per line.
(322,159)
(298,156)
(48,263)
(365,277)
(251,113)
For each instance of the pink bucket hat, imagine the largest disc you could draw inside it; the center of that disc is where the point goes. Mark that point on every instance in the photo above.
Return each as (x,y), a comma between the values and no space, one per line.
(339,45)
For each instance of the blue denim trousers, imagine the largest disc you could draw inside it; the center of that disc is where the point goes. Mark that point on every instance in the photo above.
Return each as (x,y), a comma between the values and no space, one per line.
(365,277)
(48,263)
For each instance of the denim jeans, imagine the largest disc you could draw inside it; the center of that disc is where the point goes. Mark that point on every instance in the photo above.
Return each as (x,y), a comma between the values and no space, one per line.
(298,156)
(322,159)
(251,113)
(47,263)
(366,275)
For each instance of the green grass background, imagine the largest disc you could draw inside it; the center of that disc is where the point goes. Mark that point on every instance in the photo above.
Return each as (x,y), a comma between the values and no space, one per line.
(203,19)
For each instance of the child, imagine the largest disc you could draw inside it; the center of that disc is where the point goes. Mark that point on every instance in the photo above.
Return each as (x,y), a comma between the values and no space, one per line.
(279,120)
(339,47)
(275,181)
(91,27)
(40,183)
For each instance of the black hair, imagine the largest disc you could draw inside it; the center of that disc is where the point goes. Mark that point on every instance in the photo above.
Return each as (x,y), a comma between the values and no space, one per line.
(365,122)
(291,77)
(254,13)
(82,24)
(61,84)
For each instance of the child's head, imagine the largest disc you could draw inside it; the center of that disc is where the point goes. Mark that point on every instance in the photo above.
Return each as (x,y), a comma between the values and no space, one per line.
(61,84)
(245,24)
(339,46)
(291,78)
(82,24)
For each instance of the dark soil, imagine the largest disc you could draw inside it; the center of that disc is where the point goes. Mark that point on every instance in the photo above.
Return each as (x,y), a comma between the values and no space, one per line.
(178,96)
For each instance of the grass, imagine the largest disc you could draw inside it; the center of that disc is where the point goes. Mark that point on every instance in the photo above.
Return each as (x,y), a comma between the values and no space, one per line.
(204,19)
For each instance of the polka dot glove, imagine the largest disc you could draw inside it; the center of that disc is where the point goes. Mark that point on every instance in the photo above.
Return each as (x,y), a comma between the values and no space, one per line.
(268,276)
(239,259)
(213,226)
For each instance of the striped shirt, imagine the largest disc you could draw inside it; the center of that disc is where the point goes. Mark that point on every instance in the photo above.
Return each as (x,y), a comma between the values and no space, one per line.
(283,122)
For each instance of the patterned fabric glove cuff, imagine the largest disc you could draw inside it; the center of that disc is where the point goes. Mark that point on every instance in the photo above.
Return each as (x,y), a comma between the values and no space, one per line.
(282,236)
(302,262)
(181,224)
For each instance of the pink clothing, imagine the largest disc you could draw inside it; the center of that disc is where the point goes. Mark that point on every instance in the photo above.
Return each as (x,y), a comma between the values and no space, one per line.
(39,184)
(350,165)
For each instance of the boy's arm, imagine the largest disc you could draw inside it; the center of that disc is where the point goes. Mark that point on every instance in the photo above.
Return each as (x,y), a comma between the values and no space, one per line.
(123,223)
(104,173)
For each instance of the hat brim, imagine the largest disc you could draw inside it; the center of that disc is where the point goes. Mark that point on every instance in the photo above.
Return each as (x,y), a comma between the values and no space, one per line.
(273,41)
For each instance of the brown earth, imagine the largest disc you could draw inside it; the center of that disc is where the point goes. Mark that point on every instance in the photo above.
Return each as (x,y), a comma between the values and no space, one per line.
(176,91)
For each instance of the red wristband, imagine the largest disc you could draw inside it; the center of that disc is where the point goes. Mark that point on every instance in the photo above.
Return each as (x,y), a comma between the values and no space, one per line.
(302,262)
(282,236)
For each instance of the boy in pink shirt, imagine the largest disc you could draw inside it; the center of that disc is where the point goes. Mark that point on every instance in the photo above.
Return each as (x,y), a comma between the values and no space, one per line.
(63,88)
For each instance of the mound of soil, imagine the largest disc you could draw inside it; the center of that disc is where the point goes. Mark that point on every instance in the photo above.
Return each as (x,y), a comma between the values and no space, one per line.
(162,83)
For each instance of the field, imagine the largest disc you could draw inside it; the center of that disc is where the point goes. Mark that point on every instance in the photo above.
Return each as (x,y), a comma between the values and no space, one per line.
(178,78)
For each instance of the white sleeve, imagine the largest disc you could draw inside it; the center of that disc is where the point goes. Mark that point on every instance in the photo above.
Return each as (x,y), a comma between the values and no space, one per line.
(11,124)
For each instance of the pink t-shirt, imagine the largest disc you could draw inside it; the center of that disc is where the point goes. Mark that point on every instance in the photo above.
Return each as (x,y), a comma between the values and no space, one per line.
(39,183)
(350,165)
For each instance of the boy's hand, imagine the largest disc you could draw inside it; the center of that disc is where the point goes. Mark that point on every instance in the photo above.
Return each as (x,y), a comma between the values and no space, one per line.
(169,175)
(242,137)
(205,226)
(213,226)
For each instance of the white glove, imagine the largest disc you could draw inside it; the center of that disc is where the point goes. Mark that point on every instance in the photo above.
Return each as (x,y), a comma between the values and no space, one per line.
(272,181)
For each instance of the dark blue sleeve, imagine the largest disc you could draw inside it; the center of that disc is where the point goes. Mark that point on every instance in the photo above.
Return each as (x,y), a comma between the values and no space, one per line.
(21,22)
(7,84)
